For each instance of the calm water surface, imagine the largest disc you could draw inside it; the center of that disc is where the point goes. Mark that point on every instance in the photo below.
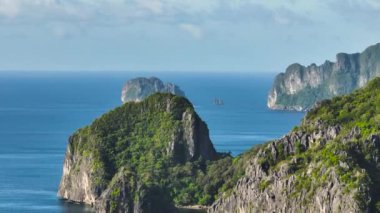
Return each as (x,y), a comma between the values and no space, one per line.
(38,112)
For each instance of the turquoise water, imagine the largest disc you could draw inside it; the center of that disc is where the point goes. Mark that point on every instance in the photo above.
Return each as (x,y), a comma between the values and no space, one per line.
(38,112)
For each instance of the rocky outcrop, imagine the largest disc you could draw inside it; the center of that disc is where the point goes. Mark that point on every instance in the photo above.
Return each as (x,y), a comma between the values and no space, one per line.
(300,87)
(140,88)
(78,187)
(280,189)
(192,141)
(118,163)
(118,197)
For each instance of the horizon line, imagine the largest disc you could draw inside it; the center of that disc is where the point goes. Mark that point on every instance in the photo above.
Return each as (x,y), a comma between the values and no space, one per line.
(52,71)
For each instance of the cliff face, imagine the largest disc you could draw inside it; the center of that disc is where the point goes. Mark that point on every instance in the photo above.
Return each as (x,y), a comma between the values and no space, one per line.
(300,87)
(138,89)
(121,162)
(78,187)
(284,188)
(330,163)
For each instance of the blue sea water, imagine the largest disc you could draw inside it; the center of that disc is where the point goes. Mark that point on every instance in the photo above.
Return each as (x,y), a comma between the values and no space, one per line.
(38,112)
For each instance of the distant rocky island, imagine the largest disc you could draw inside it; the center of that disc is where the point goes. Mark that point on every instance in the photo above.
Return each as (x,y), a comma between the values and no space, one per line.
(140,88)
(300,87)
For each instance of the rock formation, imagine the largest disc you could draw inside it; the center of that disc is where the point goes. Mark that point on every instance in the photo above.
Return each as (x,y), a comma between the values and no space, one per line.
(300,87)
(140,88)
(121,162)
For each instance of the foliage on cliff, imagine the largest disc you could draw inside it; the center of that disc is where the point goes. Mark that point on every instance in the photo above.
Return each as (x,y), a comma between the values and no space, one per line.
(360,109)
(358,115)
(144,141)
(354,153)
(335,152)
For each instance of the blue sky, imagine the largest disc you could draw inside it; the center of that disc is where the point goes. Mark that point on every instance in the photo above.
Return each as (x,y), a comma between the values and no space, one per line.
(182,35)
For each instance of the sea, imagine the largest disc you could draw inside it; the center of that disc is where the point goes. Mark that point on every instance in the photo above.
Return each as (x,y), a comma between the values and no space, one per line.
(40,110)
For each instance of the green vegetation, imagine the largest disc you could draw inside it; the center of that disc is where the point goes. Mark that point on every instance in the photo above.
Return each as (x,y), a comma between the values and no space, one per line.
(264,184)
(114,196)
(350,156)
(136,137)
(359,109)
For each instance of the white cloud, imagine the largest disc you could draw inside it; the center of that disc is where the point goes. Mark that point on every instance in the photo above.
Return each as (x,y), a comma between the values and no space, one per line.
(67,9)
(174,12)
(374,4)
(155,6)
(12,8)
(194,30)
(9,8)
(242,29)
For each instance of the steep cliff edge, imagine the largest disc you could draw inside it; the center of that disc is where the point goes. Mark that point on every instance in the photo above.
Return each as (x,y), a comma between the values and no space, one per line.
(138,89)
(143,157)
(300,87)
(330,163)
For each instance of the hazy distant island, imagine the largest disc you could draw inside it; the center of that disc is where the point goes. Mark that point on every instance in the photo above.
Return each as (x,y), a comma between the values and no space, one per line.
(156,154)
(140,88)
(300,87)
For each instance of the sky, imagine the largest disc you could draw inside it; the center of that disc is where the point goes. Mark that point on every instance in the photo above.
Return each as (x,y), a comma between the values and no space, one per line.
(182,35)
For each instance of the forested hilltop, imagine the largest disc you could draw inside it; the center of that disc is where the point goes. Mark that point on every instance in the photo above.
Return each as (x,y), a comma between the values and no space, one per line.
(148,156)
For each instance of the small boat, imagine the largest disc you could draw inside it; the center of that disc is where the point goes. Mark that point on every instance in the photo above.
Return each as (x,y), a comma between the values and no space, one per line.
(218,102)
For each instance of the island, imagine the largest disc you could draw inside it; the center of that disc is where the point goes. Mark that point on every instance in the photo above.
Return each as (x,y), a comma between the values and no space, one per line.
(300,87)
(138,89)
(147,156)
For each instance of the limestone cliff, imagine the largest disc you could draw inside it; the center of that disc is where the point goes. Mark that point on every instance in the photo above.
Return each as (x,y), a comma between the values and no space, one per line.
(330,163)
(280,187)
(122,161)
(140,88)
(300,87)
